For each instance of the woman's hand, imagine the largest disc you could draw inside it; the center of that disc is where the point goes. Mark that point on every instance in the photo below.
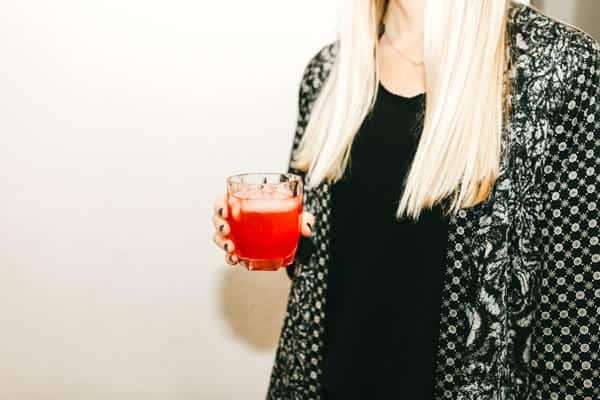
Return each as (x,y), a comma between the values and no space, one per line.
(222,229)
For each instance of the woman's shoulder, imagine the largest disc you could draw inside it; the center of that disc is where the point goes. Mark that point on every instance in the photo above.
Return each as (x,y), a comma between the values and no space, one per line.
(325,57)
(555,63)
(318,68)
(547,41)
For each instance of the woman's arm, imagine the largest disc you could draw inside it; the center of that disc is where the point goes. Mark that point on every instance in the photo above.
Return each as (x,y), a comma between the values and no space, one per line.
(566,342)
(310,85)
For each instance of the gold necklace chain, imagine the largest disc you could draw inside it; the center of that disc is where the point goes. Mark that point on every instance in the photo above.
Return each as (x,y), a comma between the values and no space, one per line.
(401,53)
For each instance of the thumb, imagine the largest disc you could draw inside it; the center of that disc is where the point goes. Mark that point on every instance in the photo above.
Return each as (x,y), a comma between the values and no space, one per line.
(308,223)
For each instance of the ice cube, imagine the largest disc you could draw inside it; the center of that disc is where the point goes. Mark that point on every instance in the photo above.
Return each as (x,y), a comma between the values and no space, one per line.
(270,204)
(235,206)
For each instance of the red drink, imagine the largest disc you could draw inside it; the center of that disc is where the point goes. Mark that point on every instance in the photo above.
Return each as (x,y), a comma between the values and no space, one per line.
(265,220)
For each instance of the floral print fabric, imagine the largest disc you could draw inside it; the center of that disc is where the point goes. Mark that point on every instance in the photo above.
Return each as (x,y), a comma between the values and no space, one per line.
(521,298)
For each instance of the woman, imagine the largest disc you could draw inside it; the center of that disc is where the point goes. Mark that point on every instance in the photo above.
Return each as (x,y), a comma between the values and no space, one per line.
(451,153)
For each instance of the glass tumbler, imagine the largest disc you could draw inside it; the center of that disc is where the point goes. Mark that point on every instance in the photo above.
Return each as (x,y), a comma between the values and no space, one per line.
(265,216)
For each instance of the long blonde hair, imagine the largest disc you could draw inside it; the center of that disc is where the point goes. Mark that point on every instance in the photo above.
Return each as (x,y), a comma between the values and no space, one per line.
(459,148)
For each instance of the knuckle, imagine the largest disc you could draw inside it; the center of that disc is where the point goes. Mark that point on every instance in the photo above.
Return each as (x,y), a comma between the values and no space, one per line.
(231,259)
(217,239)
(224,228)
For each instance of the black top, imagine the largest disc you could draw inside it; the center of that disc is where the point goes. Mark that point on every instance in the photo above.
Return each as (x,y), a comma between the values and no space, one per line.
(384,281)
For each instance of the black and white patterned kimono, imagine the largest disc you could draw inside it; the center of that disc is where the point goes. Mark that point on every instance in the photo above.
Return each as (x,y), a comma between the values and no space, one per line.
(521,296)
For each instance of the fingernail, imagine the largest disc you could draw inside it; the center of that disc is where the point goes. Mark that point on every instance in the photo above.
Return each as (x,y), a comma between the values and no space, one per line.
(226,246)
(221,212)
(221,228)
(309,226)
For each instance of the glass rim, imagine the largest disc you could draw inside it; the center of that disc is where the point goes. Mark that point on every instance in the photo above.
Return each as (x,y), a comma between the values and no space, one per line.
(235,179)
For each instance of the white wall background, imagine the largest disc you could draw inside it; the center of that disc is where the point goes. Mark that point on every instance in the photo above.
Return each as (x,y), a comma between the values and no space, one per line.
(119,120)
(582,13)
(561,9)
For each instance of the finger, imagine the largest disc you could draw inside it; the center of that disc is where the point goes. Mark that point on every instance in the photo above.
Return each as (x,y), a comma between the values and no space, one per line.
(221,225)
(231,259)
(221,206)
(223,243)
(308,223)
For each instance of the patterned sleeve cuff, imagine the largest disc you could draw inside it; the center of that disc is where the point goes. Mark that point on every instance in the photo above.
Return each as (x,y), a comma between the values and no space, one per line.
(306,248)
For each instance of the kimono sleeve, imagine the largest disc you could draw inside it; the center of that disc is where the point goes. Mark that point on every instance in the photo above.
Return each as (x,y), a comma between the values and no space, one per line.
(566,339)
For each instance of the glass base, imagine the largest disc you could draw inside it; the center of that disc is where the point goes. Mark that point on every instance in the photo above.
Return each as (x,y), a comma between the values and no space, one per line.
(267,265)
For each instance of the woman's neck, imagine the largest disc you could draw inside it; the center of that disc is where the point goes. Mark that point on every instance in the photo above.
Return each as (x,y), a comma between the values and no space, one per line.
(406,18)
(400,56)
